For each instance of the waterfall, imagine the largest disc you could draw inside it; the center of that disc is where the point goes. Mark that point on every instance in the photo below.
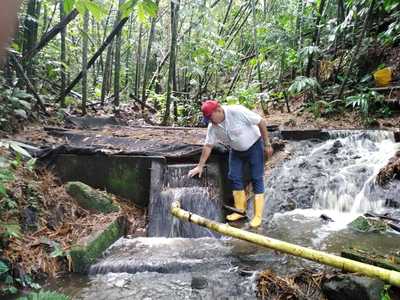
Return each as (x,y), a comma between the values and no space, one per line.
(194,194)
(337,174)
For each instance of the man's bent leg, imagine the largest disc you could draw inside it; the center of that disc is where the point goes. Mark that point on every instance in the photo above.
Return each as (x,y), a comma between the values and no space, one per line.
(236,176)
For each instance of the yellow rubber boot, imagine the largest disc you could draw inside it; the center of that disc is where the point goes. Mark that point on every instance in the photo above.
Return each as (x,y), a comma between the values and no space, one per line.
(258,210)
(239,198)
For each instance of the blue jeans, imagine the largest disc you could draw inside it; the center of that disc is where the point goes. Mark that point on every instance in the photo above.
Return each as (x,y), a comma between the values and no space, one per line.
(255,157)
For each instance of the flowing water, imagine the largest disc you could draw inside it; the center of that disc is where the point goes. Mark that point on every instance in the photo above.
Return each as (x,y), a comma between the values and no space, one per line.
(334,177)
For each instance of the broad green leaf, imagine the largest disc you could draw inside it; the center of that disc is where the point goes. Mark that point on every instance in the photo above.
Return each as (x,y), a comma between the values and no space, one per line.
(81,6)
(127,8)
(97,11)
(69,5)
(3,267)
(150,8)
(141,13)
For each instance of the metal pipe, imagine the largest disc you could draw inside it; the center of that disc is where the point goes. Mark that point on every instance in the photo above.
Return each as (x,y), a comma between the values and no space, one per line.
(342,263)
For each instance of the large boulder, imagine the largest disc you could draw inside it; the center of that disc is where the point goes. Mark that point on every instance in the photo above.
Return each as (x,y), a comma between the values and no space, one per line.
(91,199)
(351,287)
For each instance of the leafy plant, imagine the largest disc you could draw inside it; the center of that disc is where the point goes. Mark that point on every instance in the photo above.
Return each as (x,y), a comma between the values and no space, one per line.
(10,230)
(368,103)
(385,292)
(303,84)
(324,108)
(45,295)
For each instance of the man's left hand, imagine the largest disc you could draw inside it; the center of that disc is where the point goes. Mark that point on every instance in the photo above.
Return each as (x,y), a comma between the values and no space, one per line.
(268,152)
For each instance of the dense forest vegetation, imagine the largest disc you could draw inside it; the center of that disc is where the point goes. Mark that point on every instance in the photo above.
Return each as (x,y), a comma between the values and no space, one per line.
(166,56)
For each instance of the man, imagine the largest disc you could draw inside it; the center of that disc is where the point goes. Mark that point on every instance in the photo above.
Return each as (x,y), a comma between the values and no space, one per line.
(8,22)
(246,134)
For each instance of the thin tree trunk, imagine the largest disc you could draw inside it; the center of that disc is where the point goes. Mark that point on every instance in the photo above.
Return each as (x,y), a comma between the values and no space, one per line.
(108,40)
(117,61)
(315,41)
(46,28)
(50,35)
(106,74)
(30,34)
(357,49)
(147,57)
(138,74)
(225,17)
(172,59)
(128,56)
(31,88)
(85,42)
(63,56)
(255,43)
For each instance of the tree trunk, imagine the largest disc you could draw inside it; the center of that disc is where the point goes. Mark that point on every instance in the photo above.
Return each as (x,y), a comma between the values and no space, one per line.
(106,74)
(316,39)
(85,42)
(63,56)
(357,49)
(147,58)
(172,59)
(108,40)
(255,43)
(138,74)
(50,35)
(30,34)
(117,61)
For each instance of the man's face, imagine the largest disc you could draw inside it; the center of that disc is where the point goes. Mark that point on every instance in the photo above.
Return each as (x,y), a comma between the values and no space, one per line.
(217,116)
(8,23)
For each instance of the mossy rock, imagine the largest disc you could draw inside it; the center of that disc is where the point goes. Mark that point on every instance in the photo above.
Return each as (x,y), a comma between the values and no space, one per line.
(89,198)
(364,224)
(386,261)
(87,250)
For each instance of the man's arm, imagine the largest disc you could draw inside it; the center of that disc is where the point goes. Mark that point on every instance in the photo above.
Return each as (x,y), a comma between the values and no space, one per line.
(205,154)
(264,134)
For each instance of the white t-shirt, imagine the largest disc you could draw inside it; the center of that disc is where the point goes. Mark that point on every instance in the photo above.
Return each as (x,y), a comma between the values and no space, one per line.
(239,130)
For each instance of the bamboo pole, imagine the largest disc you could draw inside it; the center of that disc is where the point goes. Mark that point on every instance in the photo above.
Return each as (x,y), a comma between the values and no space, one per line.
(345,264)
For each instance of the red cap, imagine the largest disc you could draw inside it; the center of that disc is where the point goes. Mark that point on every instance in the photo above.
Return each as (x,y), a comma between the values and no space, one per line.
(208,107)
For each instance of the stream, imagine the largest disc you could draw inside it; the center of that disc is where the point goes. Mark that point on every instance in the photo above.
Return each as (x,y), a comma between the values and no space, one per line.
(182,261)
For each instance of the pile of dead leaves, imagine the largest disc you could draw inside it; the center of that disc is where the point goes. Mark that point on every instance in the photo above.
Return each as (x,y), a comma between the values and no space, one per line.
(303,285)
(47,223)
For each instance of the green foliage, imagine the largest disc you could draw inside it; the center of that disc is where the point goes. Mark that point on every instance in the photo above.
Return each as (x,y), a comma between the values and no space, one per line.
(15,104)
(45,295)
(367,103)
(93,6)
(244,96)
(10,230)
(304,84)
(385,293)
(58,250)
(3,268)
(325,108)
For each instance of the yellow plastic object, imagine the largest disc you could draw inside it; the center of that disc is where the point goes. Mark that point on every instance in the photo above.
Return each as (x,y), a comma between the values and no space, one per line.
(240,200)
(258,210)
(383,77)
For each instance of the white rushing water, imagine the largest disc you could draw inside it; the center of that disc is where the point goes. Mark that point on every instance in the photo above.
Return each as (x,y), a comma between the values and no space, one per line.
(338,178)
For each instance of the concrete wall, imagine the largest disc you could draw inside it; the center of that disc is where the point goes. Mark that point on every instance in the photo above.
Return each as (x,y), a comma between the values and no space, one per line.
(125,176)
